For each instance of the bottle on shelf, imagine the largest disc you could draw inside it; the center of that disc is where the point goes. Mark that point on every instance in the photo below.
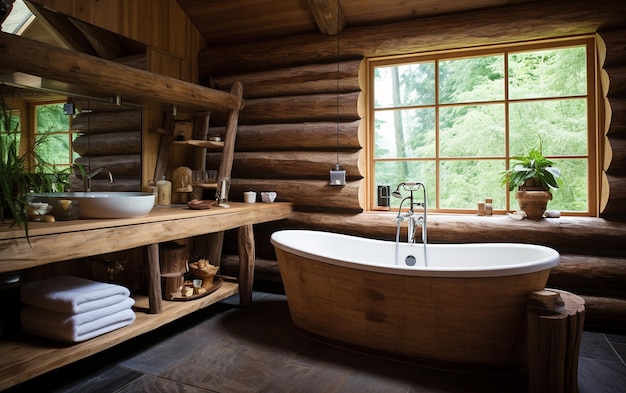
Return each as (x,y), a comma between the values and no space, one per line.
(164,192)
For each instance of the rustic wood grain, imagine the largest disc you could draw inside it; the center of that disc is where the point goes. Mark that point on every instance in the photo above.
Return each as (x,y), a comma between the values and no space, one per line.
(554,336)
(297,136)
(474,28)
(107,78)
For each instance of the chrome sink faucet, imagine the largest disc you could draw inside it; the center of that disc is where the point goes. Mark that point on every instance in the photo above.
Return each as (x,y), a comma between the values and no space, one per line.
(89,176)
(413,220)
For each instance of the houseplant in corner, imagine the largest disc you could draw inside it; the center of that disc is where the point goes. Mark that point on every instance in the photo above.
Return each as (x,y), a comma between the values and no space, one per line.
(533,176)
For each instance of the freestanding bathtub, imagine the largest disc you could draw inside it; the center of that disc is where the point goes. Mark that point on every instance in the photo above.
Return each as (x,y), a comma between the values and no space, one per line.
(465,311)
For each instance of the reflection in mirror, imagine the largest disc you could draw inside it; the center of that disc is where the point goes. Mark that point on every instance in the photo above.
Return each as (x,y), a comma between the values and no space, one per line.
(107,136)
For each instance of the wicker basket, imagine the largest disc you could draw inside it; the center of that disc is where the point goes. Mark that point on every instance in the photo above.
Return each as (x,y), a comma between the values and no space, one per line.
(204,270)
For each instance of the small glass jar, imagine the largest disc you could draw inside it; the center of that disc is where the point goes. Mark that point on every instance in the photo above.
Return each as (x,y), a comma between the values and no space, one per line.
(488,207)
(481,208)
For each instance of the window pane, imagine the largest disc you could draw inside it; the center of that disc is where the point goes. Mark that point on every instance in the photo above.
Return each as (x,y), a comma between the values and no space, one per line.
(572,195)
(548,73)
(404,85)
(55,149)
(50,118)
(396,172)
(465,183)
(471,80)
(472,131)
(405,133)
(561,125)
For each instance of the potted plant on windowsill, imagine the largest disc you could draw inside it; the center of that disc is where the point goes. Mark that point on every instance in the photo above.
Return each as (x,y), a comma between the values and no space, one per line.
(533,176)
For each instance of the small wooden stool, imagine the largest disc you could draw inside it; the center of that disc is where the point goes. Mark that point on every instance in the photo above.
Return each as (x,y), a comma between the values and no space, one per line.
(555,327)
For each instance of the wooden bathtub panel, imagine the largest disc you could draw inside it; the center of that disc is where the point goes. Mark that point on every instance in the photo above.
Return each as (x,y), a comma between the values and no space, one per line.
(477,321)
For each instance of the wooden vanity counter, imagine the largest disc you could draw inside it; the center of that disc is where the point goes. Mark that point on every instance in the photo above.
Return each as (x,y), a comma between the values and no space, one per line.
(26,357)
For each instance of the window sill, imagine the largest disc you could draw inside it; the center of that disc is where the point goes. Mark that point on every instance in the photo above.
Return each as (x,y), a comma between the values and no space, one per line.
(564,233)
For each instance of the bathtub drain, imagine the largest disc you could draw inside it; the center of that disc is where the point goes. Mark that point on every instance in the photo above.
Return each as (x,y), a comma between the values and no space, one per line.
(410,260)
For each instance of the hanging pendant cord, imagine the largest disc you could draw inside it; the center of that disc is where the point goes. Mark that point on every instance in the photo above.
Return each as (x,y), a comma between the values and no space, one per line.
(337,80)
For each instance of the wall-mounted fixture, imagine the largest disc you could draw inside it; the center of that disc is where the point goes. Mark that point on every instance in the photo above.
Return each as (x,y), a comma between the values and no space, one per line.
(69,108)
(337,176)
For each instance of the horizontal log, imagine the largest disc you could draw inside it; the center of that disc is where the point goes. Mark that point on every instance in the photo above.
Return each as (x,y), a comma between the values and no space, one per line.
(119,165)
(297,136)
(307,79)
(98,184)
(87,104)
(311,193)
(605,314)
(614,81)
(305,108)
(593,275)
(76,73)
(292,164)
(613,196)
(298,109)
(617,156)
(96,122)
(613,47)
(108,143)
(615,116)
(493,25)
(565,233)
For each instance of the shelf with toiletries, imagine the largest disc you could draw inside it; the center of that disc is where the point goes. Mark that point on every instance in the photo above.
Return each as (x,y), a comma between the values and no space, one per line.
(28,357)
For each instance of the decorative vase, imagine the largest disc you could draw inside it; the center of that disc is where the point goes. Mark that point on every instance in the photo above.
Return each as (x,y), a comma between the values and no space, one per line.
(533,202)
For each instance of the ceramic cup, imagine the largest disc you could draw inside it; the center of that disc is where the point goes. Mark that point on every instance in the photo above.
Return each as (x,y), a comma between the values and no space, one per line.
(249,197)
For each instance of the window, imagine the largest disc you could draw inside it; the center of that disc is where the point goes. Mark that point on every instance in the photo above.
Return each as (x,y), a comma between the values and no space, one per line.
(43,142)
(453,120)
(52,128)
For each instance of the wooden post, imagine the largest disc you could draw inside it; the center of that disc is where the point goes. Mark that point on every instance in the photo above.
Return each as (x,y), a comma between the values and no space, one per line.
(154,280)
(555,326)
(245,235)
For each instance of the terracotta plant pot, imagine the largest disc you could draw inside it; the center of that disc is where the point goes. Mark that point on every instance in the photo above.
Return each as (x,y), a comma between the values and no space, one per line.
(533,202)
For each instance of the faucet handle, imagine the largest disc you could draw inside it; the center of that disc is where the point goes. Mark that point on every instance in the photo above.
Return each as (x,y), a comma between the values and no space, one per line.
(398,218)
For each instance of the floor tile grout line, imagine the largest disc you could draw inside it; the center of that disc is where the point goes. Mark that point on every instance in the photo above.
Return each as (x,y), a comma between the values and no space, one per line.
(614,350)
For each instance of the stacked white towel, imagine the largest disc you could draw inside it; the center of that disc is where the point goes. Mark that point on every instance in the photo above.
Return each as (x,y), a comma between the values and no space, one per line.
(75,309)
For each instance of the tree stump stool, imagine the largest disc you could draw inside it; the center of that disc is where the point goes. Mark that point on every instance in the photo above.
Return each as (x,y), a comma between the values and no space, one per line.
(555,326)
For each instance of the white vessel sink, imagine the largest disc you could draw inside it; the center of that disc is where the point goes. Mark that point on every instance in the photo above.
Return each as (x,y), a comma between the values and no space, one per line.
(105,204)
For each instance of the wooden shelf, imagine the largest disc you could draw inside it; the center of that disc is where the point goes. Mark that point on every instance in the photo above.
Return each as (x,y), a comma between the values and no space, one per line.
(28,356)
(201,143)
(32,64)
(206,185)
(31,356)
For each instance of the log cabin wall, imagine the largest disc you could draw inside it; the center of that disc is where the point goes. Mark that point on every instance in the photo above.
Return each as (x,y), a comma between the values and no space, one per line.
(172,43)
(110,136)
(277,146)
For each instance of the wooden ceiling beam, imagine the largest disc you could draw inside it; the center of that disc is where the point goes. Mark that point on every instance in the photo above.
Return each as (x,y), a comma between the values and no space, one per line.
(328,15)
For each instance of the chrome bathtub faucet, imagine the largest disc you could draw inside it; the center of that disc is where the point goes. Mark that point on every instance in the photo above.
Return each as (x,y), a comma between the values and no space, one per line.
(413,220)
(89,176)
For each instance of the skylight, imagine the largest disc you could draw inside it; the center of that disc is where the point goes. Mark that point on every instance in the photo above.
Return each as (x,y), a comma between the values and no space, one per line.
(19,18)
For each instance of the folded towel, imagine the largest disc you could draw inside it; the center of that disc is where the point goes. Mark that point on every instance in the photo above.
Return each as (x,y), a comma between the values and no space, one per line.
(72,294)
(66,327)
(44,316)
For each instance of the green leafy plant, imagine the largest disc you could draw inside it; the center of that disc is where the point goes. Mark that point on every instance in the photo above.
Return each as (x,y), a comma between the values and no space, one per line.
(532,170)
(16,180)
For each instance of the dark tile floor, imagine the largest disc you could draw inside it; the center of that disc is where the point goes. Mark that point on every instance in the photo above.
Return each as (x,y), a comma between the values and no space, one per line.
(229,349)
